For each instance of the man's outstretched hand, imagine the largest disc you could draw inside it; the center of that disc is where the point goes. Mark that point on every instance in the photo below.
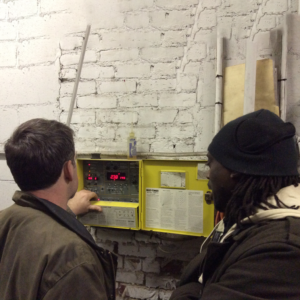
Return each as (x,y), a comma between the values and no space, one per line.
(80,203)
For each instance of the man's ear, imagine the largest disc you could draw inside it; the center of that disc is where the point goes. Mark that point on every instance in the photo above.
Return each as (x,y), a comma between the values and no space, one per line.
(68,171)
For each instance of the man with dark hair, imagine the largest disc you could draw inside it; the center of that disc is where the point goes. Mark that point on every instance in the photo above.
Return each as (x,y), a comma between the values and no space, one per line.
(254,252)
(45,253)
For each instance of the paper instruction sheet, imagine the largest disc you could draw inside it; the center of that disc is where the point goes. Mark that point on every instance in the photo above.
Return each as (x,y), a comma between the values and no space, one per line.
(172,209)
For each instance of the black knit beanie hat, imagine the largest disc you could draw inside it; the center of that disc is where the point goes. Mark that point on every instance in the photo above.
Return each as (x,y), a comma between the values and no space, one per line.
(259,143)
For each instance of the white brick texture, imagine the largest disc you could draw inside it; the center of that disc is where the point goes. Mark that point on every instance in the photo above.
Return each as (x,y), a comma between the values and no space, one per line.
(5,173)
(95,132)
(122,55)
(123,86)
(131,71)
(7,188)
(157,85)
(29,86)
(176,3)
(84,88)
(132,5)
(171,19)
(167,54)
(49,112)
(135,100)
(79,117)
(116,117)
(176,100)
(97,101)
(37,51)
(71,59)
(8,54)
(17,9)
(8,122)
(150,63)
(137,20)
(8,30)
(3,10)
(157,116)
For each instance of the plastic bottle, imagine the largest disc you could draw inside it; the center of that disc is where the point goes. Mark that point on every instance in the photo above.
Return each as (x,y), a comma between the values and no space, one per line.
(131,146)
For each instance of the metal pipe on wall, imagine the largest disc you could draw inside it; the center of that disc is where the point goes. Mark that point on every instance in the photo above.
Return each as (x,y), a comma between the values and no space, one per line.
(284,69)
(86,37)
(219,85)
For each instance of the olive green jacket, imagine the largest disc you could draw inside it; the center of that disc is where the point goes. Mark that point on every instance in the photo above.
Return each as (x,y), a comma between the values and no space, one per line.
(45,253)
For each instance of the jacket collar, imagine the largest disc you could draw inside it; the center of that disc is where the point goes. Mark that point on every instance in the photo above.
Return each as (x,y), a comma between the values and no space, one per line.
(59,214)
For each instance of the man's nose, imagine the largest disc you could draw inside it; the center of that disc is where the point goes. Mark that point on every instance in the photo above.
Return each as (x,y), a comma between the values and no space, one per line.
(208,173)
(209,185)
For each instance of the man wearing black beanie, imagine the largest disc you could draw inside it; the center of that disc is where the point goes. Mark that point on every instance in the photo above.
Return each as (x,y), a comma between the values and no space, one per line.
(254,252)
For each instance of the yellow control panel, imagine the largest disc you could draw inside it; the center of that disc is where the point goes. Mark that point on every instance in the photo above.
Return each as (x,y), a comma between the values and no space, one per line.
(153,195)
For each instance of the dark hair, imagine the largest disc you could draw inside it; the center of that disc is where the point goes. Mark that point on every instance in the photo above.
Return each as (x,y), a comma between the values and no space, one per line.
(37,151)
(251,192)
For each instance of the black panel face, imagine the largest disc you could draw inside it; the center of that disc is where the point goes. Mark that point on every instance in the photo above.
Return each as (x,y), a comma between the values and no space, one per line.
(112,180)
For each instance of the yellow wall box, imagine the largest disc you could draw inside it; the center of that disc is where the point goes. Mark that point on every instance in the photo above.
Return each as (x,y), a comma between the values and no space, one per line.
(153,195)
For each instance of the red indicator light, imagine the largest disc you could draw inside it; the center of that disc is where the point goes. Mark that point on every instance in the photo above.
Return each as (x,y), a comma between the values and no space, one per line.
(114,177)
(90,178)
(89,164)
(98,199)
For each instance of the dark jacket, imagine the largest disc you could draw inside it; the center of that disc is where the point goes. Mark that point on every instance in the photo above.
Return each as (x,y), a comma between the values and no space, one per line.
(259,261)
(45,253)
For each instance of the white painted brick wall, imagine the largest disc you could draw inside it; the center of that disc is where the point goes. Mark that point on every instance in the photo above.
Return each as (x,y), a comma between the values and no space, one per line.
(17,9)
(116,117)
(5,173)
(29,85)
(175,19)
(174,38)
(37,51)
(8,121)
(71,59)
(137,20)
(157,85)
(132,5)
(122,55)
(130,39)
(3,10)
(124,86)
(28,112)
(79,117)
(97,101)
(7,189)
(8,30)
(149,62)
(8,54)
(135,100)
(175,100)
(95,132)
(148,116)
(68,74)
(176,3)
(167,54)
(84,88)
(160,70)
(179,132)
(145,132)
(131,71)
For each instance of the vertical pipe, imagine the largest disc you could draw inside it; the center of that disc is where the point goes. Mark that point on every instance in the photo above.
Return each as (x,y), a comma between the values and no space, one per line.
(219,85)
(250,77)
(283,70)
(87,33)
